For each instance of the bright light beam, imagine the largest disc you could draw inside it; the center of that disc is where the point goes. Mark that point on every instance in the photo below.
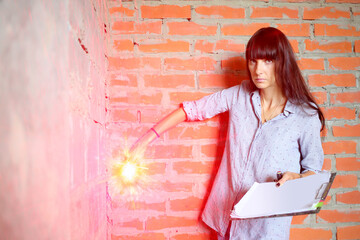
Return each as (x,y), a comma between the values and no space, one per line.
(129,172)
(128,176)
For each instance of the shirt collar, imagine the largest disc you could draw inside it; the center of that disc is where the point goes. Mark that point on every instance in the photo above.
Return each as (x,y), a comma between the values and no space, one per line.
(289,107)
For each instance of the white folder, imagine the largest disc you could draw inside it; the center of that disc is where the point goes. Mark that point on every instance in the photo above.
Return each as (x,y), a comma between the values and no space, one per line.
(295,197)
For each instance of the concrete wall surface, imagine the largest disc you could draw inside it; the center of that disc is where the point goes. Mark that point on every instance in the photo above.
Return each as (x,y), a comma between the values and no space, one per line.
(52,107)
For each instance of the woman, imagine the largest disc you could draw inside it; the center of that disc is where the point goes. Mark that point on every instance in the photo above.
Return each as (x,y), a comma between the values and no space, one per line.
(274,125)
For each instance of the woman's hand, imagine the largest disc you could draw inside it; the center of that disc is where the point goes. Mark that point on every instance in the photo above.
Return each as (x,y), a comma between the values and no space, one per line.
(291,176)
(139,147)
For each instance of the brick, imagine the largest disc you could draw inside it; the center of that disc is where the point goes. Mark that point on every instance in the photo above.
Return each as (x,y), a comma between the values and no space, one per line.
(148,27)
(123,79)
(335,30)
(134,224)
(169,152)
(123,11)
(123,115)
(327,164)
(166,11)
(212,150)
(320,97)
(234,63)
(356,11)
(195,236)
(327,199)
(230,46)
(160,46)
(190,28)
(134,63)
(137,28)
(328,46)
(338,80)
(325,13)
(299,219)
(345,97)
(342,1)
(352,197)
(204,46)
(123,45)
(311,64)
(162,222)
(124,27)
(199,132)
(192,167)
(345,181)
(224,12)
(170,81)
(310,233)
(336,216)
(297,1)
(141,236)
(138,205)
(295,45)
(155,168)
(187,204)
(357,46)
(348,232)
(348,164)
(324,132)
(295,30)
(332,113)
(346,131)
(138,98)
(177,187)
(179,97)
(339,147)
(344,63)
(242,29)
(197,63)
(274,12)
(219,80)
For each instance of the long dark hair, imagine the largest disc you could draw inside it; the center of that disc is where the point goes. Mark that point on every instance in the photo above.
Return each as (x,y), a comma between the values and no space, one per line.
(271,44)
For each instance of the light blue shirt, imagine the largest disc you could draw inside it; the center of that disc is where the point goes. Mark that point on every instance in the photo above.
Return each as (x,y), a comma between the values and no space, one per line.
(254,152)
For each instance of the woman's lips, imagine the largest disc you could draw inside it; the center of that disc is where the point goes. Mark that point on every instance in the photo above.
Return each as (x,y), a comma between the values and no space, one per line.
(260,80)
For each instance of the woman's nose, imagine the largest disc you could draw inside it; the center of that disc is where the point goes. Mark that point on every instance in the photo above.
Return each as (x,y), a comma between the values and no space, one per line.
(258,68)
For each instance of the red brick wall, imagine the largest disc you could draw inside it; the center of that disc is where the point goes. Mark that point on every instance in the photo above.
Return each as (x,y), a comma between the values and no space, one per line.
(164,52)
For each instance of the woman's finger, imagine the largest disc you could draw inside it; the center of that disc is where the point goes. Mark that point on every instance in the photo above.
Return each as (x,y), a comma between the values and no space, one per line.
(286,176)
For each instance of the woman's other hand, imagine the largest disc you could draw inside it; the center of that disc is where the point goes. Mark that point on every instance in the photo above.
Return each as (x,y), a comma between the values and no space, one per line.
(291,176)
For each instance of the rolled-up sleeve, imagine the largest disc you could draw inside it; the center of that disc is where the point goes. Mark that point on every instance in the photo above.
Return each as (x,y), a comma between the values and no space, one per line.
(209,106)
(312,155)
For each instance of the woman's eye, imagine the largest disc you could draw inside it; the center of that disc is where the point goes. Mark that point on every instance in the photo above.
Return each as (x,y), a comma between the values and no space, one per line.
(268,61)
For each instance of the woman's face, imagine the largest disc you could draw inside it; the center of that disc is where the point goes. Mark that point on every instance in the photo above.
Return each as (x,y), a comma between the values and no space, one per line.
(262,73)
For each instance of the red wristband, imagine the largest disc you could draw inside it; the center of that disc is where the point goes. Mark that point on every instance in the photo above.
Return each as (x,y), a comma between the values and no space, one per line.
(155,132)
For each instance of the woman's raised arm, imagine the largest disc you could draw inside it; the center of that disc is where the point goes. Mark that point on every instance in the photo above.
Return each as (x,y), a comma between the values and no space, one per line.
(165,124)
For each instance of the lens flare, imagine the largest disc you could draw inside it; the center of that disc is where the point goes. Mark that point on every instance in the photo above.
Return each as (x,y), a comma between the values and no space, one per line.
(129,171)
(128,176)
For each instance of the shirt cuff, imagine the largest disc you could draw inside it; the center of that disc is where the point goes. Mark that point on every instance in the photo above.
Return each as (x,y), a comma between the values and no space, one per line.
(189,110)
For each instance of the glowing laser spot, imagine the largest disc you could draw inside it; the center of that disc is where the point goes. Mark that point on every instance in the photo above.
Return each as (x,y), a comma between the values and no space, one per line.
(128,174)
(129,171)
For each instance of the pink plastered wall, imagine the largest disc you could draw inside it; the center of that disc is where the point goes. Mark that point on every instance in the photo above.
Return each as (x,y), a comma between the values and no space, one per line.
(52,102)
